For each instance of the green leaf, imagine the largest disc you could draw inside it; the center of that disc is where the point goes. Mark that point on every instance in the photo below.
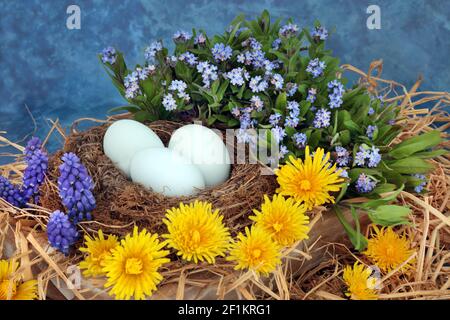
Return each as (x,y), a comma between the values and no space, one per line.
(211,120)
(149,88)
(384,187)
(344,137)
(416,144)
(223,87)
(355,172)
(352,126)
(129,108)
(410,165)
(358,240)
(430,154)
(143,115)
(232,123)
(373,204)
(281,102)
(390,215)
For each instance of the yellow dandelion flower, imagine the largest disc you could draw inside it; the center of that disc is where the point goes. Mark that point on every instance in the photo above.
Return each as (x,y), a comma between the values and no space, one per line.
(388,250)
(284,218)
(309,181)
(132,268)
(11,285)
(256,250)
(97,249)
(359,282)
(196,232)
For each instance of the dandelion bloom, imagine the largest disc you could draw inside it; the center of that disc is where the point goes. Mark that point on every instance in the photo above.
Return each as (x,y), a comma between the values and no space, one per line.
(11,285)
(284,218)
(388,250)
(132,267)
(256,250)
(309,181)
(360,284)
(197,232)
(97,249)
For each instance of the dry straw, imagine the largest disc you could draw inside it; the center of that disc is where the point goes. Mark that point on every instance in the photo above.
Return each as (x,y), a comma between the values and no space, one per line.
(311,270)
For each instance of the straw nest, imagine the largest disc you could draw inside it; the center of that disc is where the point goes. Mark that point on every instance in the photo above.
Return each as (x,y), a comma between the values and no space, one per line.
(122,203)
(318,263)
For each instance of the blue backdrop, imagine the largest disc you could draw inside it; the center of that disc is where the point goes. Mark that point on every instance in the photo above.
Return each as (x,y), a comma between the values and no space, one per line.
(55,72)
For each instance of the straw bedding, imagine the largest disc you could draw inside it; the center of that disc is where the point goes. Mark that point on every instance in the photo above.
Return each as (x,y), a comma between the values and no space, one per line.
(319,261)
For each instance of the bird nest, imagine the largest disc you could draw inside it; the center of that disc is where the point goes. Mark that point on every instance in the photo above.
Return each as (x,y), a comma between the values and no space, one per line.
(122,203)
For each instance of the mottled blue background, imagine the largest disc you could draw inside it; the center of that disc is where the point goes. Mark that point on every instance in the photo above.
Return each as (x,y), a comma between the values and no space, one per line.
(55,72)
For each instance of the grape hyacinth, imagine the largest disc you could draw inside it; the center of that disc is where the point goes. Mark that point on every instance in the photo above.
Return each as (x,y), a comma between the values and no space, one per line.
(75,188)
(322,119)
(221,52)
(61,232)
(109,55)
(370,131)
(343,156)
(181,36)
(299,139)
(315,67)
(371,111)
(420,187)
(311,95)
(34,174)
(320,33)
(152,50)
(336,90)
(288,30)
(365,184)
(11,193)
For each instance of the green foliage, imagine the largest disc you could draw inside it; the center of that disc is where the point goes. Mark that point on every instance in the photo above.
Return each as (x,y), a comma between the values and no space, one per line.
(222,102)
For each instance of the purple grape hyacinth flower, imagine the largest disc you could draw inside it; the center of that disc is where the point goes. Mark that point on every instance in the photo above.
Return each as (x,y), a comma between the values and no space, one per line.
(75,188)
(61,232)
(34,174)
(11,193)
